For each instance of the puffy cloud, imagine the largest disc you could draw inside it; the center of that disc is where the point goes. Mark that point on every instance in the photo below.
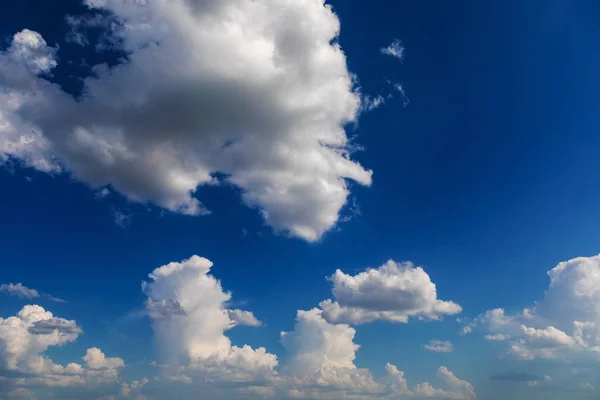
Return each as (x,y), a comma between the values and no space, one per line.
(458,389)
(321,365)
(196,338)
(29,49)
(322,354)
(395,49)
(393,292)
(567,319)
(319,358)
(440,346)
(256,91)
(135,386)
(19,290)
(25,337)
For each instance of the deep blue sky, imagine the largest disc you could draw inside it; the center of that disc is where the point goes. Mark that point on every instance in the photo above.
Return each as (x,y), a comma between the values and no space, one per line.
(487,178)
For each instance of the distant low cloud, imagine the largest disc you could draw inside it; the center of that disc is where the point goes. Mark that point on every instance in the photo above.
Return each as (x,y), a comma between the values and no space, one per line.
(394,49)
(22,291)
(440,346)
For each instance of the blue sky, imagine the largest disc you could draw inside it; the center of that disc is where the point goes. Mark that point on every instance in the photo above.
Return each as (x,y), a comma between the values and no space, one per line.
(136,134)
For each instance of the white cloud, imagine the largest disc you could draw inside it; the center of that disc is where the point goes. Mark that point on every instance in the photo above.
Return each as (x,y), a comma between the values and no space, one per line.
(258,91)
(322,366)
(458,389)
(22,291)
(566,320)
(440,346)
(196,338)
(393,292)
(496,337)
(24,339)
(19,290)
(241,317)
(395,49)
(128,388)
(319,358)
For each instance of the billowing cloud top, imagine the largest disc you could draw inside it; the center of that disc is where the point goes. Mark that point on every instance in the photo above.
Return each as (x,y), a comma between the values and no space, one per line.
(258,91)
(566,321)
(392,292)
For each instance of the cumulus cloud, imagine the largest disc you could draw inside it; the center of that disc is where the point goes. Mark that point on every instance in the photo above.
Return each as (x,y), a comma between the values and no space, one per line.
(196,338)
(393,292)
(566,320)
(395,49)
(440,346)
(321,365)
(320,355)
(258,92)
(25,337)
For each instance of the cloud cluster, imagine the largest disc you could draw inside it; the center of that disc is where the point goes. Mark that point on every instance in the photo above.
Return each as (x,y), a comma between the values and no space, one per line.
(190,319)
(256,91)
(393,292)
(26,336)
(565,321)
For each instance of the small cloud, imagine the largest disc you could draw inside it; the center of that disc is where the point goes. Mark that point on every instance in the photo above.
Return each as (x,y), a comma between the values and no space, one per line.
(465,330)
(369,103)
(241,317)
(395,49)
(587,386)
(440,346)
(19,290)
(104,192)
(405,99)
(122,219)
(55,299)
(497,337)
(53,326)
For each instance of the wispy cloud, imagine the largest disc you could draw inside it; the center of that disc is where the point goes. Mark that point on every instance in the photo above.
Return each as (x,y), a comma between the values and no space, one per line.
(395,49)
(22,291)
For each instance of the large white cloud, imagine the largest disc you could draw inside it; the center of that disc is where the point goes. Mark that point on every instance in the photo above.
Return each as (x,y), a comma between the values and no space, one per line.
(393,292)
(258,91)
(566,320)
(194,336)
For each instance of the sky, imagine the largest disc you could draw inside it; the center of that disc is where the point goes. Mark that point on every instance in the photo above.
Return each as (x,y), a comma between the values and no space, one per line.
(281,199)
